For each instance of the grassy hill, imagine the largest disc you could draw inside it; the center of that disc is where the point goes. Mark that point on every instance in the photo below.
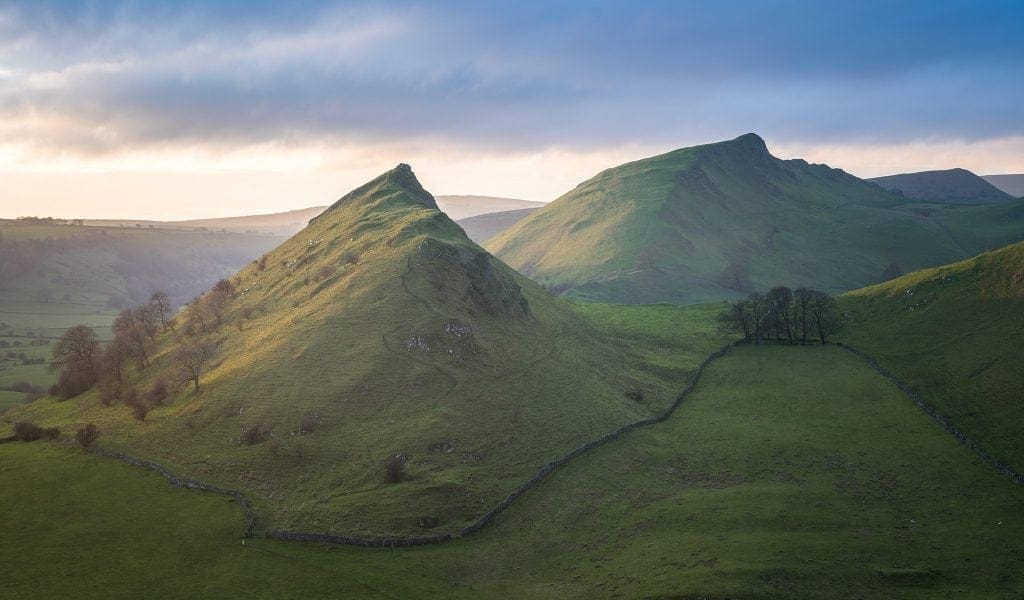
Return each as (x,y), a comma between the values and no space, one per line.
(953,186)
(483,227)
(1011,184)
(381,329)
(956,333)
(790,472)
(720,220)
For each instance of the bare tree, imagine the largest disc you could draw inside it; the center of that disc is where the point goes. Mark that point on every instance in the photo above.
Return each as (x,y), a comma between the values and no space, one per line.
(192,361)
(134,333)
(801,308)
(87,435)
(148,320)
(78,348)
(114,355)
(76,355)
(737,318)
(825,314)
(781,299)
(160,304)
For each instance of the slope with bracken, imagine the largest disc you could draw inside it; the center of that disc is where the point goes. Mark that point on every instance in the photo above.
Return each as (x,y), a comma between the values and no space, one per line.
(956,334)
(379,330)
(721,220)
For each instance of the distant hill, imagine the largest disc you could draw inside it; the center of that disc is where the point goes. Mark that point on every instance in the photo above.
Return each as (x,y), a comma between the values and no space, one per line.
(953,186)
(1011,184)
(463,207)
(380,329)
(291,222)
(483,227)
(114,267)
(277,224)
(721,220)
(955,333)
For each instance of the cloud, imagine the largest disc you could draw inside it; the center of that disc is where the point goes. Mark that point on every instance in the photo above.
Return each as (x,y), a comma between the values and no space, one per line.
(112,77)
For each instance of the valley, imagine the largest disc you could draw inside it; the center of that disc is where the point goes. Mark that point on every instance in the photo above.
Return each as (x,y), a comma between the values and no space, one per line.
(852,489)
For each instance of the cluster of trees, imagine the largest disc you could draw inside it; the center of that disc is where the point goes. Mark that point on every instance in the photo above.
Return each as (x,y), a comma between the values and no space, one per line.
(206,313)
(83,363)
(29,220)
(783,315)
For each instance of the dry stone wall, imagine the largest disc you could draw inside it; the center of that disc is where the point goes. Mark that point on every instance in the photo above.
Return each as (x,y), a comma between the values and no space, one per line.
(396,542)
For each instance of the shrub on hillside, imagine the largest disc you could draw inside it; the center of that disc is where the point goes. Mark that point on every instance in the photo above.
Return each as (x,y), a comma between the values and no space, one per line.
(72,383)
(130,396)
(324,272)
(635,395)
(109,391)
(253,434)
(307,423)
(30,432)
(140,409)
(87,435)
(394,467)
(157,392)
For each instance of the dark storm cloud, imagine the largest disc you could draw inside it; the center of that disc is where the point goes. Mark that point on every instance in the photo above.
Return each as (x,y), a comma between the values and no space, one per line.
(521,76)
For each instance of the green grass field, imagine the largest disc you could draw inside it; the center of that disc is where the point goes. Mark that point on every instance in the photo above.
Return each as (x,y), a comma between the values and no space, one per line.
(790,472)
(956,334)
(9,399)
(25,325)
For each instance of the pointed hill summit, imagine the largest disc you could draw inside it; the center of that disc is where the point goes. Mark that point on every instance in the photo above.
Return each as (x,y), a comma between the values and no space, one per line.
(378,334)
(725,219)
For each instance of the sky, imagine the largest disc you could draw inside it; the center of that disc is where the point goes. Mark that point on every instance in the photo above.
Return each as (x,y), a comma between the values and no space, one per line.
(176,110)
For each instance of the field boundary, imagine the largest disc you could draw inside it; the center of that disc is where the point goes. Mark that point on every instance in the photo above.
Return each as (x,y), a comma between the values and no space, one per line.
(935,415)
(395,542)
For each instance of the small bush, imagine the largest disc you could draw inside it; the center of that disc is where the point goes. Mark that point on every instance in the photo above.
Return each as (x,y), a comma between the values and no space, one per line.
(87,435)
(30,432)
(27,432)
(307,423)
(71,383)
(394,467)
(253,434)
(130,396)
(635,395)
(109,391)
(157,392)
(140,409)
(324,272)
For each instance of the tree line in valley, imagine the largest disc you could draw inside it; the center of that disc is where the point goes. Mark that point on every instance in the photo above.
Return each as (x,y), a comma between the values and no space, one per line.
(799,316)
